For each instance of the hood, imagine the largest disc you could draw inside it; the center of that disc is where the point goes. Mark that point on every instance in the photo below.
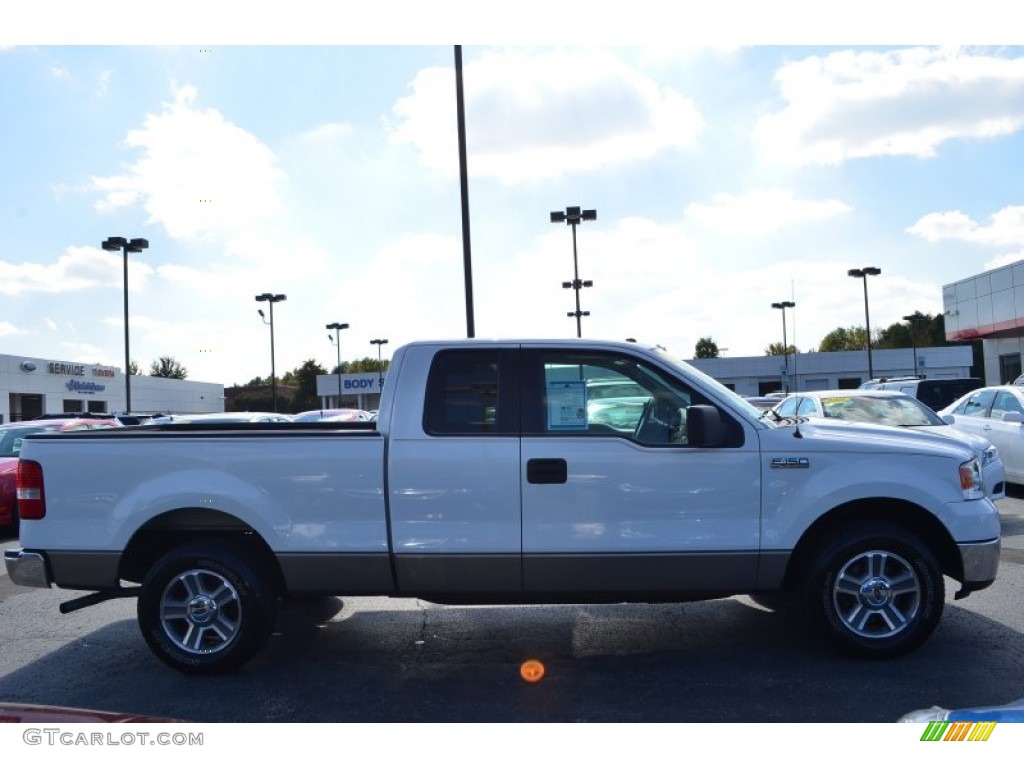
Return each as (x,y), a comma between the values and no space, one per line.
(836,434)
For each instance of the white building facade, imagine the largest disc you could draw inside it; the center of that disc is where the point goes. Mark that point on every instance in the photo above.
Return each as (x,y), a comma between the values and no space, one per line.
(357,390)
(32,386)
(751,376)
(990,307)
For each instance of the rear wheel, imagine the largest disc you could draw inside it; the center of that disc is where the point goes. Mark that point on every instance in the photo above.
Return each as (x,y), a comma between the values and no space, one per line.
(877,590)
(207,608)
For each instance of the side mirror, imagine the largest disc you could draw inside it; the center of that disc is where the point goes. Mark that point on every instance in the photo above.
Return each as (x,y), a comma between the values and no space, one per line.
(1014,417)
(704,426)
(949,418)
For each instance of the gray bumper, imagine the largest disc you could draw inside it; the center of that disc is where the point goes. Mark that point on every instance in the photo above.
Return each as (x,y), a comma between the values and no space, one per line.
(26,569)
(981,563)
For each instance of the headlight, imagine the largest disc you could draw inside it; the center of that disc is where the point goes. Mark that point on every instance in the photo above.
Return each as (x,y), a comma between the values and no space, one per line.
(989,455)
(970,479)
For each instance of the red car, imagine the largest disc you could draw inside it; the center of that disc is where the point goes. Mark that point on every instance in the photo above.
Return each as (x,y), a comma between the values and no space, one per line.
(11,436)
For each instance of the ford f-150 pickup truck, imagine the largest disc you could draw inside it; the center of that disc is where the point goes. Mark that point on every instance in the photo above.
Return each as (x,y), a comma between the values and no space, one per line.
(509,472)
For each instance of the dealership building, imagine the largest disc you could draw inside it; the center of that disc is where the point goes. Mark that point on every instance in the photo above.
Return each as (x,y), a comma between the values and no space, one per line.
(32,386)
(357,390)
(990,307)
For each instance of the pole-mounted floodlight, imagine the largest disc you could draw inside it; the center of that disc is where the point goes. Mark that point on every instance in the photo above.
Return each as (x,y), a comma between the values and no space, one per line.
(380,365)
(336,341)
(784,305)
(863,274)
(573,216)
(135,245)
(272,299)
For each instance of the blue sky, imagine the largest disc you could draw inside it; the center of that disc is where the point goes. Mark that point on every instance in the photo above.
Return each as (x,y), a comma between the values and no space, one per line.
(726,176)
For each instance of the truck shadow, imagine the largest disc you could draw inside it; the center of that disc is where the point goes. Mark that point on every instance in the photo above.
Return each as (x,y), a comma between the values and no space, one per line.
(373,660)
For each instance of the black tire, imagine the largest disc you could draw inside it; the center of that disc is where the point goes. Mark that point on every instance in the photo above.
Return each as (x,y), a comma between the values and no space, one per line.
(876,590)
(207,608)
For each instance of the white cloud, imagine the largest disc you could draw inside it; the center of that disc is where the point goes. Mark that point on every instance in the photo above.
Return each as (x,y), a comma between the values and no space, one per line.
(50,324)
(1005,227)
(60,73)
(538,116)
(761,211)
(77,269)
(9,329)
(200,176)
(906,102)
(329,132)
(1005,260)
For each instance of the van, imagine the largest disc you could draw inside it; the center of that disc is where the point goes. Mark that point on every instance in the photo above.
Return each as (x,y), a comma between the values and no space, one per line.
(935,393)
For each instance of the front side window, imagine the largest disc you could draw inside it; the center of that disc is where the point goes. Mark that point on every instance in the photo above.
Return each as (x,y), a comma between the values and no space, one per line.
(600,394)
(976,405)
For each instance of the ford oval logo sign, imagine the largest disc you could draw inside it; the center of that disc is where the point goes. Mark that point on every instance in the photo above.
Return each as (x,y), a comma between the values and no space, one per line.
(28,365)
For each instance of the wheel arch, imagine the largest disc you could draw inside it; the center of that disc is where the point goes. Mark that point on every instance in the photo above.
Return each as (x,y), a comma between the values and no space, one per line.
(900,512)
(175,528)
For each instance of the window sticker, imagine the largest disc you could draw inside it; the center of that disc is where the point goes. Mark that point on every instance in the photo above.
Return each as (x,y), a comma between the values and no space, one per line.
(567,405)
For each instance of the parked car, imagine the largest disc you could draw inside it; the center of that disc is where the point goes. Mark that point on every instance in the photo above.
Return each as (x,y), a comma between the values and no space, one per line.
(765,402)
(935,393)
(11,436)
(997,414)
(894,409)
(334,414)
(220,418)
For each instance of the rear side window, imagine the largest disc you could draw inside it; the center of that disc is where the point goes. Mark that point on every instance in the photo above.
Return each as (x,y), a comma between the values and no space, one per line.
(471,392)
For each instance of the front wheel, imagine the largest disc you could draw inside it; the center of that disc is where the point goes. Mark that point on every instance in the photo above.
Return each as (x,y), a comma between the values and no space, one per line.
(877,590)
(206,608)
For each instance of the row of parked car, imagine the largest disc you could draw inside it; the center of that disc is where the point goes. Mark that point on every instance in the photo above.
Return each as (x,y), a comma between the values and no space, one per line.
(11,436)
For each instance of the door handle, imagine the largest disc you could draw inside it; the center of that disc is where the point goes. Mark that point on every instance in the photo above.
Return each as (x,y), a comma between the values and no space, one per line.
(547,471)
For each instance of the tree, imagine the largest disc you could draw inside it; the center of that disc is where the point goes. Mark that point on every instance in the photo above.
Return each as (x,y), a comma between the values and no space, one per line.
(844,340)
(706,348)
(134,369)
(167,368)
(305,378)
(775,348)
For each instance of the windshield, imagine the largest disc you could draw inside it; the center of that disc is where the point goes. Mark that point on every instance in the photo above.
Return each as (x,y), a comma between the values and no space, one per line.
(891,411)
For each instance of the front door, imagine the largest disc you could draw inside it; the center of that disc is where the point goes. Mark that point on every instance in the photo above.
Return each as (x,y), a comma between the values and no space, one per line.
(615,501)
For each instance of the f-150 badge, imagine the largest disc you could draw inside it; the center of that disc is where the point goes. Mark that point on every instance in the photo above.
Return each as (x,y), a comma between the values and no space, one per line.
(791,463)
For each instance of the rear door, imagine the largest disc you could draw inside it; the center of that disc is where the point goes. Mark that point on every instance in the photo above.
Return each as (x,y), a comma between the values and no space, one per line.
(453,478)
(615,501)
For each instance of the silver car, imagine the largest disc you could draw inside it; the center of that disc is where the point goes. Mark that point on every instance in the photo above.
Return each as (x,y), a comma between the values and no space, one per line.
(895,409)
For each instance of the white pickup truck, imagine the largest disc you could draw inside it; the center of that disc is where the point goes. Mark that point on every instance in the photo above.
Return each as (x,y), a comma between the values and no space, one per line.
(509,472)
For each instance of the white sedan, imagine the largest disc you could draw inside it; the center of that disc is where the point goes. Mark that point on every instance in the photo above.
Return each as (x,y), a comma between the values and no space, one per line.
(895,409)
(996,414)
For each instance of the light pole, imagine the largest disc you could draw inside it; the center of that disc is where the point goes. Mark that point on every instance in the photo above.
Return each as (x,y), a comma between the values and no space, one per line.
(912,322)
(863,273)
(336,341)
(785,344)
(573,216)
(272,299)
(135,245)
(380,365)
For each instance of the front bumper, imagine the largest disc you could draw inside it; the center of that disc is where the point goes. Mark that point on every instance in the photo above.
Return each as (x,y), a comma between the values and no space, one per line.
(26,569)
(981,563)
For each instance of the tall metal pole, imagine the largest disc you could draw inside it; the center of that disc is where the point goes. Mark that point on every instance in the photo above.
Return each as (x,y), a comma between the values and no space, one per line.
(863,274)
(467,259)
(913,340)
(576,282)
(337,328)
(573,216)
(783,305)
(271,298)
(135,245)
